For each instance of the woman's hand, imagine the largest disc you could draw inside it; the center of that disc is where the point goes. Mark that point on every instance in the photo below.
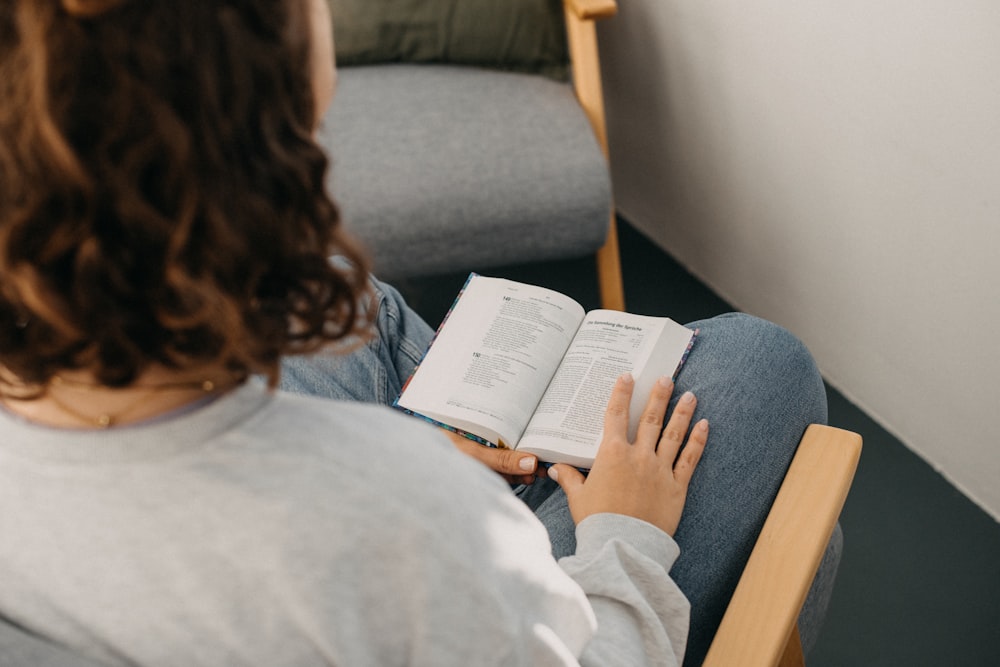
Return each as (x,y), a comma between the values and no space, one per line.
(513,466)
(645,479)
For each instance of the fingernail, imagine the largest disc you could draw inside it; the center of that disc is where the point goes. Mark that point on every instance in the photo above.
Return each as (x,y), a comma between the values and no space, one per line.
(626,378)
(665,381)
(702,425)
(688,397)
(553,474)
(527,464)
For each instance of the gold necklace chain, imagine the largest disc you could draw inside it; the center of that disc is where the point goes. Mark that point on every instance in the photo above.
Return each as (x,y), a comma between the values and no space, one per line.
(108,419)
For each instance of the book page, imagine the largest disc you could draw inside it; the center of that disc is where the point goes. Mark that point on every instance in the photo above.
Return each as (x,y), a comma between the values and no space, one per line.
(569,421)
(493,357)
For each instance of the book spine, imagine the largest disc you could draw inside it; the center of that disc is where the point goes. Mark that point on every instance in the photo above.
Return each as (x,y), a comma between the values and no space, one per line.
(687,353)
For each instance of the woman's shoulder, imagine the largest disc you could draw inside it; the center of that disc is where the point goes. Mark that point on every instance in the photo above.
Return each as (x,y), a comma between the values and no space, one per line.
(364,429)
(391,477)
(344,444)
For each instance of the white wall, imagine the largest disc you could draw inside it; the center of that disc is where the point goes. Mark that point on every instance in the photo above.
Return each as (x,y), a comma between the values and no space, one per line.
(834,167)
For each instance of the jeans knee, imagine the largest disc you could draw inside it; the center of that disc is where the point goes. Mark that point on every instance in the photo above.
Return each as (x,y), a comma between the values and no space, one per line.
(775,353)
(796,364)
(779,339)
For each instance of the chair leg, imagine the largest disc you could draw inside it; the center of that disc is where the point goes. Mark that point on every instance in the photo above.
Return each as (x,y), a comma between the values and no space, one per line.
(609,271)
(792,656)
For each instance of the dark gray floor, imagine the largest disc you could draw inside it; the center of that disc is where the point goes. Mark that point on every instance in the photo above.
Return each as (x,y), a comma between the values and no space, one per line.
(919,583)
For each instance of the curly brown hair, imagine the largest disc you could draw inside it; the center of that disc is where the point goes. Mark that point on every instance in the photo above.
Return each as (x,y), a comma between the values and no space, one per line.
(162,198)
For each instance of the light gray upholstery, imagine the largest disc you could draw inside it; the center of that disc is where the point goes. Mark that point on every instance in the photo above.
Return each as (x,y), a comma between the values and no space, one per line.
(447,168)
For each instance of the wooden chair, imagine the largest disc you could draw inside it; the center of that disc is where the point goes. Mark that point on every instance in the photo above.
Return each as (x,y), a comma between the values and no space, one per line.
(442,168)
(759,627)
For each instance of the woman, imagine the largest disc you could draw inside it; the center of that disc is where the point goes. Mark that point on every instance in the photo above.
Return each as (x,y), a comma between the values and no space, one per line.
(164,235)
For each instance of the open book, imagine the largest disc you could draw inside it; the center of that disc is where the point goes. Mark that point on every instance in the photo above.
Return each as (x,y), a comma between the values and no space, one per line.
(524,367)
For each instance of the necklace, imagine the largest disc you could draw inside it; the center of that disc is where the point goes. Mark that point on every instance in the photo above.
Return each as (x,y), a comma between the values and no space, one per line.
(106,419)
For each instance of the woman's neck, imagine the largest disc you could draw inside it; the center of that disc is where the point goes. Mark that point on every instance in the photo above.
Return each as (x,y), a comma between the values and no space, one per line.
(75,399)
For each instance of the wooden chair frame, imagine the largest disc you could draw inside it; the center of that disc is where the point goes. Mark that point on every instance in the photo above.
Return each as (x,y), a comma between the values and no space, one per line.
(581,34)
(759,628)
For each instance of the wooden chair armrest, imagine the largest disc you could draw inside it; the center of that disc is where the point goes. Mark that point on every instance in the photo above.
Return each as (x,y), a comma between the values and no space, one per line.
(592,9)
(761,618)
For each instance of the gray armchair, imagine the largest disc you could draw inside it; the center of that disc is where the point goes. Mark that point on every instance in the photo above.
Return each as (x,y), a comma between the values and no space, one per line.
(443,167)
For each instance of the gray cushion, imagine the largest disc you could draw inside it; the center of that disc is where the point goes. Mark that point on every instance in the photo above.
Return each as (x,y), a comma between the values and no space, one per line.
(444,168)
(519,35)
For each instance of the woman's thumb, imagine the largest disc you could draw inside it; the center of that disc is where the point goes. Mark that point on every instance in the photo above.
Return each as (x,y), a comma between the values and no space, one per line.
(566,476)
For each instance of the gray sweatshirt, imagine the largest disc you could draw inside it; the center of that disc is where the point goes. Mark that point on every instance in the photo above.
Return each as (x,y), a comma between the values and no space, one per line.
(281,530)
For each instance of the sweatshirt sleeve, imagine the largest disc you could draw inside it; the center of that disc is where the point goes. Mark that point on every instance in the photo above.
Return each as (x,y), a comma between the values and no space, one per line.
(622,565)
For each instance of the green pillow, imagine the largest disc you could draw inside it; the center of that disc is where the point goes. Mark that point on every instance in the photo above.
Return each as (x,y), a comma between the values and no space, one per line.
(518,35)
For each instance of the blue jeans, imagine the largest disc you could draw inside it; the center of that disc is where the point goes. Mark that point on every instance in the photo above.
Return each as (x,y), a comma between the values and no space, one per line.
(755,382)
